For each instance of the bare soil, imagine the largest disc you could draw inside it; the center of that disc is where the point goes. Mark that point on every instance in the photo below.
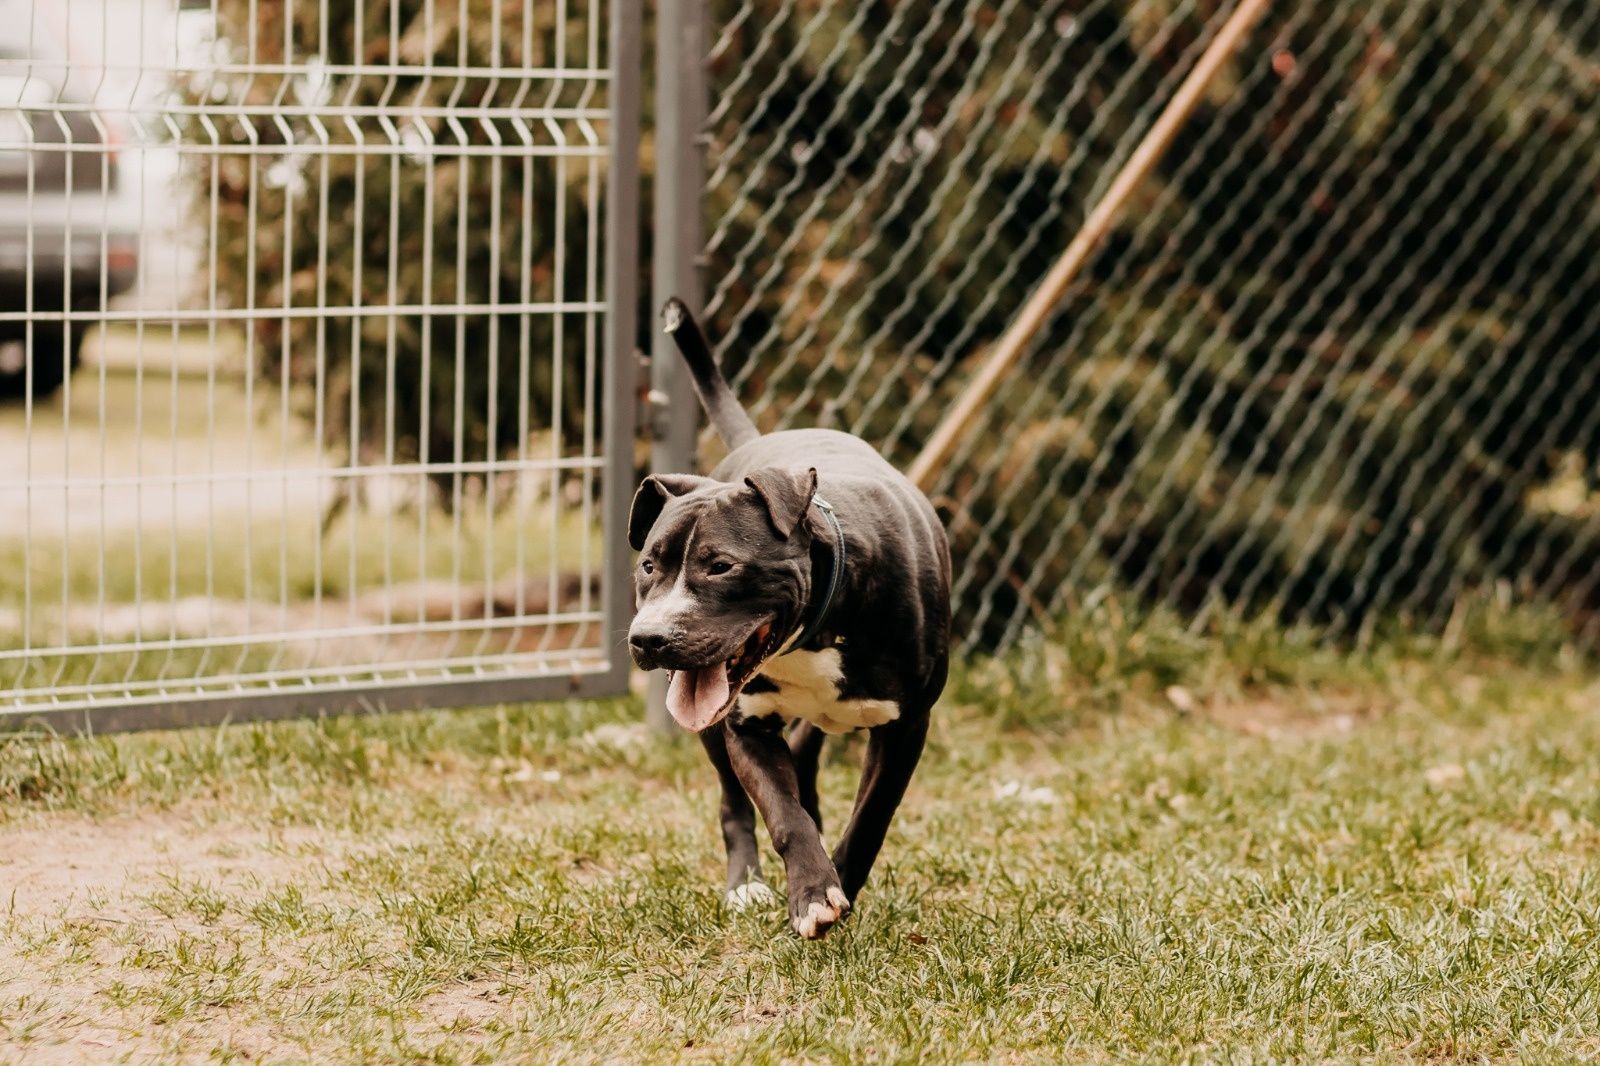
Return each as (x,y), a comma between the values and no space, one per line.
(107,879)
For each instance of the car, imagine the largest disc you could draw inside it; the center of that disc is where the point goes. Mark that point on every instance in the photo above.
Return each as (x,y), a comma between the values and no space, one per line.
(68,242)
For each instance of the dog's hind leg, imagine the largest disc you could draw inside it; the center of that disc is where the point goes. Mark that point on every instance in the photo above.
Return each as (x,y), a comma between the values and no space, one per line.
(805,744)
(745,885)
(893,750)
(765,766)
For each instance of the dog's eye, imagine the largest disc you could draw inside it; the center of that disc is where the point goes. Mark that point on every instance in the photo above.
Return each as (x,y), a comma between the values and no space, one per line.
(647,566)
(721,566)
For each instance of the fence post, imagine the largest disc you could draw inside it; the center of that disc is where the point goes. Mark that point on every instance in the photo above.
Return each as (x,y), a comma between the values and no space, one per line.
(622,322)
(675,269)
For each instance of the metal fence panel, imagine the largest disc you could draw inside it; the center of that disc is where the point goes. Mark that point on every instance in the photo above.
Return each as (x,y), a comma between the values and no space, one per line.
(346,431)
(1339,365)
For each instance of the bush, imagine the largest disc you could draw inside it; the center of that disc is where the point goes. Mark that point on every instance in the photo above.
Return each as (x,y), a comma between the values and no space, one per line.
(1324,370)
(1320,370)
(345,225)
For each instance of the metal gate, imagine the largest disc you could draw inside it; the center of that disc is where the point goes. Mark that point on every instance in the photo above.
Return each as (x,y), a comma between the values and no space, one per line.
(316,332)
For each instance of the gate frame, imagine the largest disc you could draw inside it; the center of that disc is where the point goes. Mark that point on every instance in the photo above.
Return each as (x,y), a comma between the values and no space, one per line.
(678,251)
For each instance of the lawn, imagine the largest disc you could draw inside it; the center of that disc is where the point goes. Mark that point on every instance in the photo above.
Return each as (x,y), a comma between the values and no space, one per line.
(1126,841)
(231,485)
(144,507)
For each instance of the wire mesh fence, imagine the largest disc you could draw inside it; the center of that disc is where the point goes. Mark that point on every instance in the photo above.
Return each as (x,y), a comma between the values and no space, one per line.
(337,279)
(309,396)
(1338,365)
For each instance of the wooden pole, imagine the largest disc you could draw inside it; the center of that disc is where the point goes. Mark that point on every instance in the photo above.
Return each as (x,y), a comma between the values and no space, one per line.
(1044,299)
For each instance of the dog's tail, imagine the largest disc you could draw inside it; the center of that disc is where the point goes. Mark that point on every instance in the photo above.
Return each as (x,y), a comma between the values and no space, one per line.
(729,419)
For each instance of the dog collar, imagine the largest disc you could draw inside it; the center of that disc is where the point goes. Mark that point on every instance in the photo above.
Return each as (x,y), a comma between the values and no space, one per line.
(834,571)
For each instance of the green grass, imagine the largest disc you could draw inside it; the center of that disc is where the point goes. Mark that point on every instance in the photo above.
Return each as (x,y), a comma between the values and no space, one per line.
(276,561)
(1161,846)
(158,541)
(89,555)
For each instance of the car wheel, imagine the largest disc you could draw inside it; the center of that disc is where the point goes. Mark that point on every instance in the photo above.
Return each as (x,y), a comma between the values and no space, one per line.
(57,351)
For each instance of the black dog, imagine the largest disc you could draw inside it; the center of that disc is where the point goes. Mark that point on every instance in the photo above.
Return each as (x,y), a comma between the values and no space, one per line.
(804,581)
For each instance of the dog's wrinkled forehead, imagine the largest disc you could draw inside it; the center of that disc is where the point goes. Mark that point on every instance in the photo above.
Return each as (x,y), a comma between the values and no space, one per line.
(765,510)
(727,518)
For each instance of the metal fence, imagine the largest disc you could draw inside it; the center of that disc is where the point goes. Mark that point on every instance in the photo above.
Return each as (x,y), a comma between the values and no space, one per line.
(339,277)
(1339,363)
(353,288)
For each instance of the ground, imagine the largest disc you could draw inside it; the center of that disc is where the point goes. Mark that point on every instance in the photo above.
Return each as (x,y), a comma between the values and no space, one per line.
(1121,845)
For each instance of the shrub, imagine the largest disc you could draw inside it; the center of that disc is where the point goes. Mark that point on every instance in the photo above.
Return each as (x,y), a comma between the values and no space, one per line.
(340,218)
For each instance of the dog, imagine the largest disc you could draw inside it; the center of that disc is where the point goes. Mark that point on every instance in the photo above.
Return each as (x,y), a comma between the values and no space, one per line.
(803,586)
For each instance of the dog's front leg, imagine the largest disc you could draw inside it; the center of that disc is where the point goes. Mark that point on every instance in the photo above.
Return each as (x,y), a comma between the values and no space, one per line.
(764,765)
(805,744)
(745,885)
(893,751)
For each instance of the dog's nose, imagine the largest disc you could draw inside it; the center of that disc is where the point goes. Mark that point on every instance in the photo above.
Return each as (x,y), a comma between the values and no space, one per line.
(647,644)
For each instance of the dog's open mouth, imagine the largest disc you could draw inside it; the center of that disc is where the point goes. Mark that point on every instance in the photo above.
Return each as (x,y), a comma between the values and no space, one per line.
(698,698)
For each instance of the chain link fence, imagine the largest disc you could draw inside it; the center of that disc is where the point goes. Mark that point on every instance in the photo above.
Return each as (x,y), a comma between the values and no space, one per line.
(315,320)
(1338,364)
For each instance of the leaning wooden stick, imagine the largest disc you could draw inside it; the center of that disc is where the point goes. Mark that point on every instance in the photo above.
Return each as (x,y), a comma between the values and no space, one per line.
(1049,293)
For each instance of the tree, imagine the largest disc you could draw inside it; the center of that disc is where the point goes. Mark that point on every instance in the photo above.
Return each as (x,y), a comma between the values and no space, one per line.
(349,177)
(1321,369)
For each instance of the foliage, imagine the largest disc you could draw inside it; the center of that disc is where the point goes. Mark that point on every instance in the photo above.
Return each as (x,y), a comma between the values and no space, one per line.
(1326,369)
(1323,366)
(402,205)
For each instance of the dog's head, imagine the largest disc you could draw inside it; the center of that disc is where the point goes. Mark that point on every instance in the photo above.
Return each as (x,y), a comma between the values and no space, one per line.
(724,576)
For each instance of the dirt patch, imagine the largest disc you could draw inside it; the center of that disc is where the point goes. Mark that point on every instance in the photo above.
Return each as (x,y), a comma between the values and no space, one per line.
(466,1007)
(77,868)
(1303,715)
(81,894)
(108,951)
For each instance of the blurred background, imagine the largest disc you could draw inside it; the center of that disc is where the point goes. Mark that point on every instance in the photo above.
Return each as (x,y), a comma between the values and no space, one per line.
(1337,365)
(110,64)
(303,333)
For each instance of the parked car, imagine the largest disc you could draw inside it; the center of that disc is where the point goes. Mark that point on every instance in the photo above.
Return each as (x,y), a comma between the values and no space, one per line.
(65,232)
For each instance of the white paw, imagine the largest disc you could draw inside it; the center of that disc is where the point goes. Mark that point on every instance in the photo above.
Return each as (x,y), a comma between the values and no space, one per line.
(751,894)
(820,917)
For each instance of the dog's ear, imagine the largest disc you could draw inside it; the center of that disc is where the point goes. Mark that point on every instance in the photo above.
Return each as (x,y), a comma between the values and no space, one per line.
(786,494)
(654,491)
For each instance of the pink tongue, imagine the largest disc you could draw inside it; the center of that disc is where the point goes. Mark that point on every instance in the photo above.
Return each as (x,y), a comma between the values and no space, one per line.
(695,696)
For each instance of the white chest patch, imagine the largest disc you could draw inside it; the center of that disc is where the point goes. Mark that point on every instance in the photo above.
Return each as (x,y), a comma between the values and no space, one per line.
(808,683)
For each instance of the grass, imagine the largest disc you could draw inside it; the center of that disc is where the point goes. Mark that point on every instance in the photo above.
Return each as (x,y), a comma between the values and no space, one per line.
(90,553)
(273,561)
(121,541)
(1162,846)
(370,569)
